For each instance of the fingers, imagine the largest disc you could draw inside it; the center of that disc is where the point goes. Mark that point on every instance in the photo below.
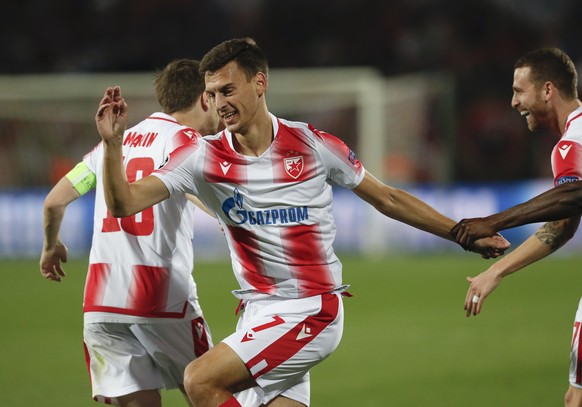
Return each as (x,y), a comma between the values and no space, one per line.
(463,237)
(50,274)
(116,94)
(473,300)
(101,110)
(59,270)
(472,303)
(459,233)
(117,108)
(111,95)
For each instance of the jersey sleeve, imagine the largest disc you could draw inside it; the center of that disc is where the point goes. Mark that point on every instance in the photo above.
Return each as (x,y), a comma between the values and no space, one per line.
(178,170)
(178,139)
(341,164)
(567,161)
(181,137)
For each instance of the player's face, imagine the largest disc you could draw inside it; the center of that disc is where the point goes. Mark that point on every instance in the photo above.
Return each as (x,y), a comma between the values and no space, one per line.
(529,100)
(235,98)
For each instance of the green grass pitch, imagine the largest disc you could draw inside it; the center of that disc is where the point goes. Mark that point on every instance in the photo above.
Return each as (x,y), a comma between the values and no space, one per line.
(406,341)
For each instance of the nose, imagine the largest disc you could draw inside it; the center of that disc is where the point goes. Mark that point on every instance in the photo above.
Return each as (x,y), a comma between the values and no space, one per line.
(514,102)
(220,101)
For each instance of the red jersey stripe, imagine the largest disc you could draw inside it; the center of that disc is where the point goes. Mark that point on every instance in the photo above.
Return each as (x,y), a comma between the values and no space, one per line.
(148,291)
(97,277)
(248,253)
(306,257)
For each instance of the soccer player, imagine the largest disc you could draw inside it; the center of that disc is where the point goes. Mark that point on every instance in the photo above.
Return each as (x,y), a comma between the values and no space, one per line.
(545,93)
(142,320)
(269,182)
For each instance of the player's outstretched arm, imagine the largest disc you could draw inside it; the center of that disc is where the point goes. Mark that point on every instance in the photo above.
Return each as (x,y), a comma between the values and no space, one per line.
(549,238)
(557,203)
(54,252)
(123,198)
(404,207)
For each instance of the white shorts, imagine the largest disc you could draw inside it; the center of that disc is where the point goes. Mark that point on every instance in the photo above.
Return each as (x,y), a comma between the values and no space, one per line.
(576,350)
(254,396)
(125,358)
(280,340)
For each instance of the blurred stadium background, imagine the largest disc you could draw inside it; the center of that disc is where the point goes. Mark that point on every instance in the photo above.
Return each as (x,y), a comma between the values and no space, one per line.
(420,89)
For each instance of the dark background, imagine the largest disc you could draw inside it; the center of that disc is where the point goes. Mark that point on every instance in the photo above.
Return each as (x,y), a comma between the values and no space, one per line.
(475,41)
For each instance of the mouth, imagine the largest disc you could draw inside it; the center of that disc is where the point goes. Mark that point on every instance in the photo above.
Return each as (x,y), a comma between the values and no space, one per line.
(227,116)
(524,113)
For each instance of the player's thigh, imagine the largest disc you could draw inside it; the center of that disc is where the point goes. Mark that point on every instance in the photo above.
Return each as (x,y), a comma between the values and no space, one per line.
(219,367)
(282,401)
(299,394)
(144,398)
(573,397)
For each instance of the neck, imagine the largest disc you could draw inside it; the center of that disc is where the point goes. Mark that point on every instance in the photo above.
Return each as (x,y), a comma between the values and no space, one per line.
(565,111)
(255,140)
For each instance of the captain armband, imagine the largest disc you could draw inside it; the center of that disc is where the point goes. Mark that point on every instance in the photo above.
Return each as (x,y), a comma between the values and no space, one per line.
(82,178)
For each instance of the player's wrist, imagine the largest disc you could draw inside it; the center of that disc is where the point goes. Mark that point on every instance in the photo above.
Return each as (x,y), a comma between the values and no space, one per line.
(114,142)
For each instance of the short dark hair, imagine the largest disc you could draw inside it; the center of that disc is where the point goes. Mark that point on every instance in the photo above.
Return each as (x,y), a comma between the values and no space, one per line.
(554,65)
(179,85)
(244,51)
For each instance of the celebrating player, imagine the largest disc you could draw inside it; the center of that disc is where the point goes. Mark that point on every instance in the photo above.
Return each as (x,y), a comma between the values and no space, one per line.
(142,320)
(545,93)
(268,180)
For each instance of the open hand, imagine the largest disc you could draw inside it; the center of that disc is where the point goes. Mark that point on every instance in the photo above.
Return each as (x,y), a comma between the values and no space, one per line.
(50,262)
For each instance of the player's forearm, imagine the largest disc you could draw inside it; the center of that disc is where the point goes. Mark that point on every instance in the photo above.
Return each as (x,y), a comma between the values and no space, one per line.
(549,238)
(115,184)
(53,217)
(530,251)
(557,203)
(408,209)
(55,205)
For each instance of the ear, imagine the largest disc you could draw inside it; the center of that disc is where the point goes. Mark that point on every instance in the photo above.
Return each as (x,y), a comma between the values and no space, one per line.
(204,101)
(549,90)
(261,83)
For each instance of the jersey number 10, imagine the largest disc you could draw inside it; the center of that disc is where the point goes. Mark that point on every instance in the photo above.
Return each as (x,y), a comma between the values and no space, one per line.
(142,223)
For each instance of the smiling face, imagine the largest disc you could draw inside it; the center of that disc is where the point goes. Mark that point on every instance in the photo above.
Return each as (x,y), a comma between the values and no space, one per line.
(530,99)
(236,98)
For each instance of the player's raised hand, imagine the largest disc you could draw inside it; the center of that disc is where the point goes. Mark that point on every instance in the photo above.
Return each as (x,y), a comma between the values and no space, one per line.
(111,117)
(50,262)
(468,230)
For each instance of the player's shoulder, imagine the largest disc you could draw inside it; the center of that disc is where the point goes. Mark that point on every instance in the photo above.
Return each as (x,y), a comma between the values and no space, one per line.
(302,129)
(574,126)
(158,129)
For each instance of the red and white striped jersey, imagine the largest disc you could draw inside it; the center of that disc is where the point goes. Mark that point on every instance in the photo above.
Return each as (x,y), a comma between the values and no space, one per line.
(276,209)
(141,266)
(567,154)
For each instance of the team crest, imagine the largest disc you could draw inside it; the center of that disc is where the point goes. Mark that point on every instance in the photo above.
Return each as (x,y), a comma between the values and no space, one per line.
(294,166)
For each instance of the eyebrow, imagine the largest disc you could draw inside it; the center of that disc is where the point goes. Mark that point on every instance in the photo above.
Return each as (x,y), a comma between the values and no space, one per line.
(221,88)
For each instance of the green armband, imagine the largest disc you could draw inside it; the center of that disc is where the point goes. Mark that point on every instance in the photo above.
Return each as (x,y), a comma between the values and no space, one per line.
(82,178)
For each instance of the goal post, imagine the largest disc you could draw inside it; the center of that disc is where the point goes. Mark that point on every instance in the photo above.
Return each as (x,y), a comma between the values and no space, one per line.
(400,127)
